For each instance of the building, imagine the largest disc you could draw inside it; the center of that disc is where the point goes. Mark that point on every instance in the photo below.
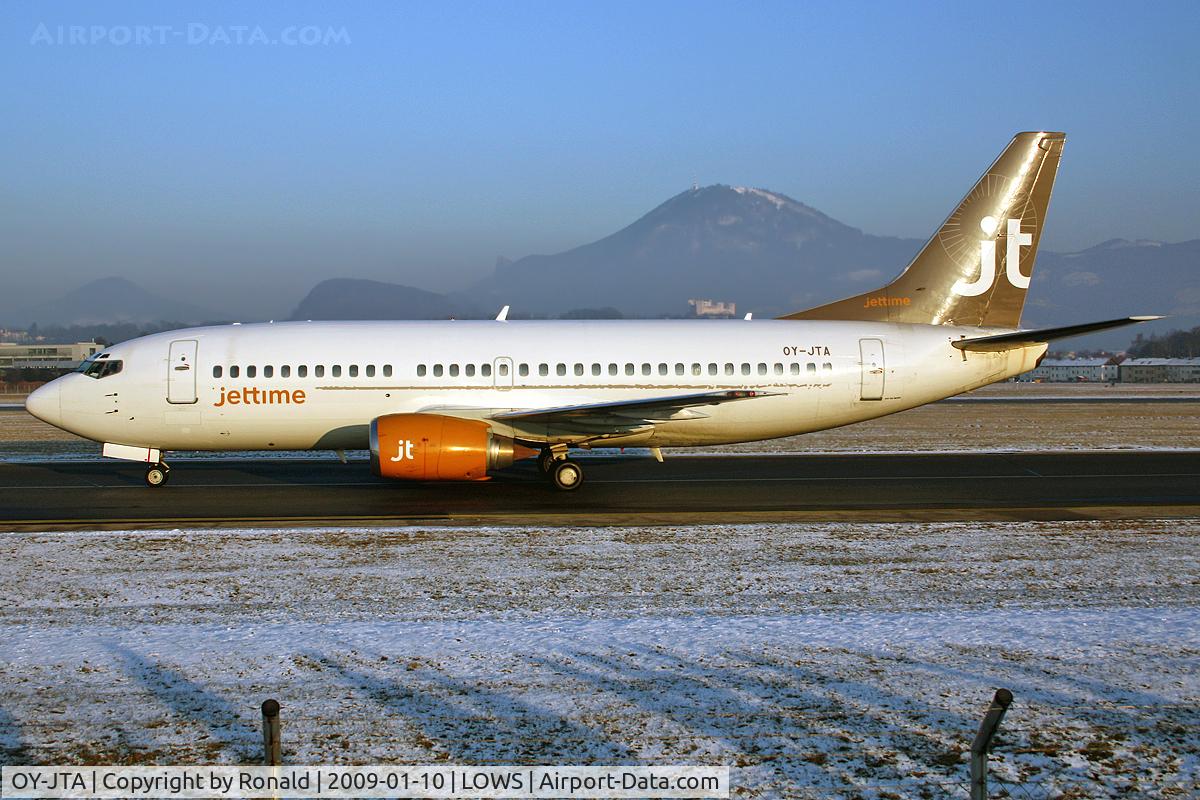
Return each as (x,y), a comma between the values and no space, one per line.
(1160,370)
(713,308)
(1074,370)
(1184,370)
(46,356)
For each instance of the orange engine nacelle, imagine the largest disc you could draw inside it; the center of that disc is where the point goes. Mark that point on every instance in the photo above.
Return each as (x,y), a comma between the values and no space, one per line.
(433,447)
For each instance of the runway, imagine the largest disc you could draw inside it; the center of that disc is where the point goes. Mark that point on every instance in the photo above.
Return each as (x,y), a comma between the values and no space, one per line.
(684,490)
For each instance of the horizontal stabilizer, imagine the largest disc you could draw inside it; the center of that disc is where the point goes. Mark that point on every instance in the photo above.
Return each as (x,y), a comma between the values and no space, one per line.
(1009,341)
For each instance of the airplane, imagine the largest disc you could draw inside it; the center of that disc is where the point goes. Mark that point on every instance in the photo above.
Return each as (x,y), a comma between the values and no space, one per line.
(458,400)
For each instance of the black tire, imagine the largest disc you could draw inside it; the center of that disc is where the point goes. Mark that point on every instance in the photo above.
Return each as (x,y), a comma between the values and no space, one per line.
(566,475)
(545,460)
(157,475)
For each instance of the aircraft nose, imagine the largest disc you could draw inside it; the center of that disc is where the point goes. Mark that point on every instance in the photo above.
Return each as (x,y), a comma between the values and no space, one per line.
(45,403)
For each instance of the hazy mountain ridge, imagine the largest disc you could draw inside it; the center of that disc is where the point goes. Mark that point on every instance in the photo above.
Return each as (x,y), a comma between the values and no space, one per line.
(763,249)
(109,300)
(1114,279)
(769,253)
(353,298)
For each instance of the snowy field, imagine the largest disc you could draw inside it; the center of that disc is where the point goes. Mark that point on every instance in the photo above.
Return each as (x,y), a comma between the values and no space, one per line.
(836,660)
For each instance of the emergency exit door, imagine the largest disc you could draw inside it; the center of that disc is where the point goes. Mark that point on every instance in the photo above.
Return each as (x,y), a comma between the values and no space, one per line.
(873,368)
(181,372)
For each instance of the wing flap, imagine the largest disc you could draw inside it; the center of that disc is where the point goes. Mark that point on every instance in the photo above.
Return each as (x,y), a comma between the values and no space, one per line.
(654,409)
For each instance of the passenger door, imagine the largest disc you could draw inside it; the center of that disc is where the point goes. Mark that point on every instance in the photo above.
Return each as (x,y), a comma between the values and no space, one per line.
(181,372)
(873,374)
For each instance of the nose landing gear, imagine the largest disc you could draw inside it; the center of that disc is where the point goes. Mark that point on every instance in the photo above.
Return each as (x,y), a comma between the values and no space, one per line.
(157,474)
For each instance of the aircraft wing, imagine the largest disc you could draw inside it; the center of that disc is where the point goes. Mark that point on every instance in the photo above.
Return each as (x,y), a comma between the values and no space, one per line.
(1009,341)
(624,412)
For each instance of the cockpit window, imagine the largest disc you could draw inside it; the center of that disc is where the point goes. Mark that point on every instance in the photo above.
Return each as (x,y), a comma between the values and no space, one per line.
(101,369)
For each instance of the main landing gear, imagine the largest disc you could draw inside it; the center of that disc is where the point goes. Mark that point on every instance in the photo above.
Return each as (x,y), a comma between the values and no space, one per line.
(157,474)
(564,474)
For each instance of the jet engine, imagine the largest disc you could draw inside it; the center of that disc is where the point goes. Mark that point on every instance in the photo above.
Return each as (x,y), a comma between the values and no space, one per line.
(434,447)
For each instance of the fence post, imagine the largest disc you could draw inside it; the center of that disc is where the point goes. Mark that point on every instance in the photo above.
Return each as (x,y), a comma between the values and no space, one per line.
(983,742)
(272,749)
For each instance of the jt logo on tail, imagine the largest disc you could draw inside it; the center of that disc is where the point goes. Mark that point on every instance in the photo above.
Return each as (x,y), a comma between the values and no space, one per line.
(987,259)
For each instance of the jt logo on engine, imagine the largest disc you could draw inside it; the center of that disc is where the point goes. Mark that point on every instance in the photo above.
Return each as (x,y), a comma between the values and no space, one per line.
(405,451)
(987,258)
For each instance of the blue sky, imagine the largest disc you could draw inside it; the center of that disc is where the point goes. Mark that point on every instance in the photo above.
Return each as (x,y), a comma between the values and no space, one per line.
(429,138)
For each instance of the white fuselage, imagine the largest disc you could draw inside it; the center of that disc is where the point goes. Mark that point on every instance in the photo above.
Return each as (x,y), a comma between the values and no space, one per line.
(318,385)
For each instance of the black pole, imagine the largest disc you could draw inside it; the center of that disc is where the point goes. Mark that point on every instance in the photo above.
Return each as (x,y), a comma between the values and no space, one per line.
(271,745)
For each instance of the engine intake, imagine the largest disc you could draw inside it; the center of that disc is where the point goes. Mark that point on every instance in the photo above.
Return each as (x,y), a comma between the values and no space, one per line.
(434,447)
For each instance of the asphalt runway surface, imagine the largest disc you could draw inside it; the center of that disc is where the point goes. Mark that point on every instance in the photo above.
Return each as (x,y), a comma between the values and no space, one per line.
(619,490)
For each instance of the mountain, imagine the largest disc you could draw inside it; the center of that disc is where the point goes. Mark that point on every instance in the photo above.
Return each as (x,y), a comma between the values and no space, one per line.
(772,254)
(1113,279)
(348,298)
(110,300)
(769,253)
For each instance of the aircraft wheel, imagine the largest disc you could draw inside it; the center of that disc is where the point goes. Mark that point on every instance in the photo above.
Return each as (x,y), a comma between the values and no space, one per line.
(545,461)
(157,474)
(566,475)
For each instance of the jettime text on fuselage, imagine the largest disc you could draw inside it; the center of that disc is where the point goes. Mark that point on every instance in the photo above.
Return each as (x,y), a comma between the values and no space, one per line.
(254,396)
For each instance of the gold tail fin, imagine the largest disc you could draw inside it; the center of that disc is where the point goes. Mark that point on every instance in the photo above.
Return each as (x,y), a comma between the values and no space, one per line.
(976,268)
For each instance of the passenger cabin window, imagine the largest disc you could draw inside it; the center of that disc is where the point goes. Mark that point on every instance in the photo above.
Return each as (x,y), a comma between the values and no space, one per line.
(827,367)
(712,369)
(811,368)
(234,371)
(560,369)
(302,371)
(421,369)
(502,369)
(268,372)
(387,370)
(469,370)
(319,371)
(679,369)
(454,370)
(778,369)
(579,370)
(745,368)
(336,370)
(285,371)
(762,368)
(596,370)
(696,371)
(523,370)
(794,368)
(486,370)
(251,371)
(543,370)
(645,369)
(217,372)
(613,369)
(437,370)
(629,369)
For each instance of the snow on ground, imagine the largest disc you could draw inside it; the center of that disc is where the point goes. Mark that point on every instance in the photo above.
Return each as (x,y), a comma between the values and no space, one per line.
(845,660)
